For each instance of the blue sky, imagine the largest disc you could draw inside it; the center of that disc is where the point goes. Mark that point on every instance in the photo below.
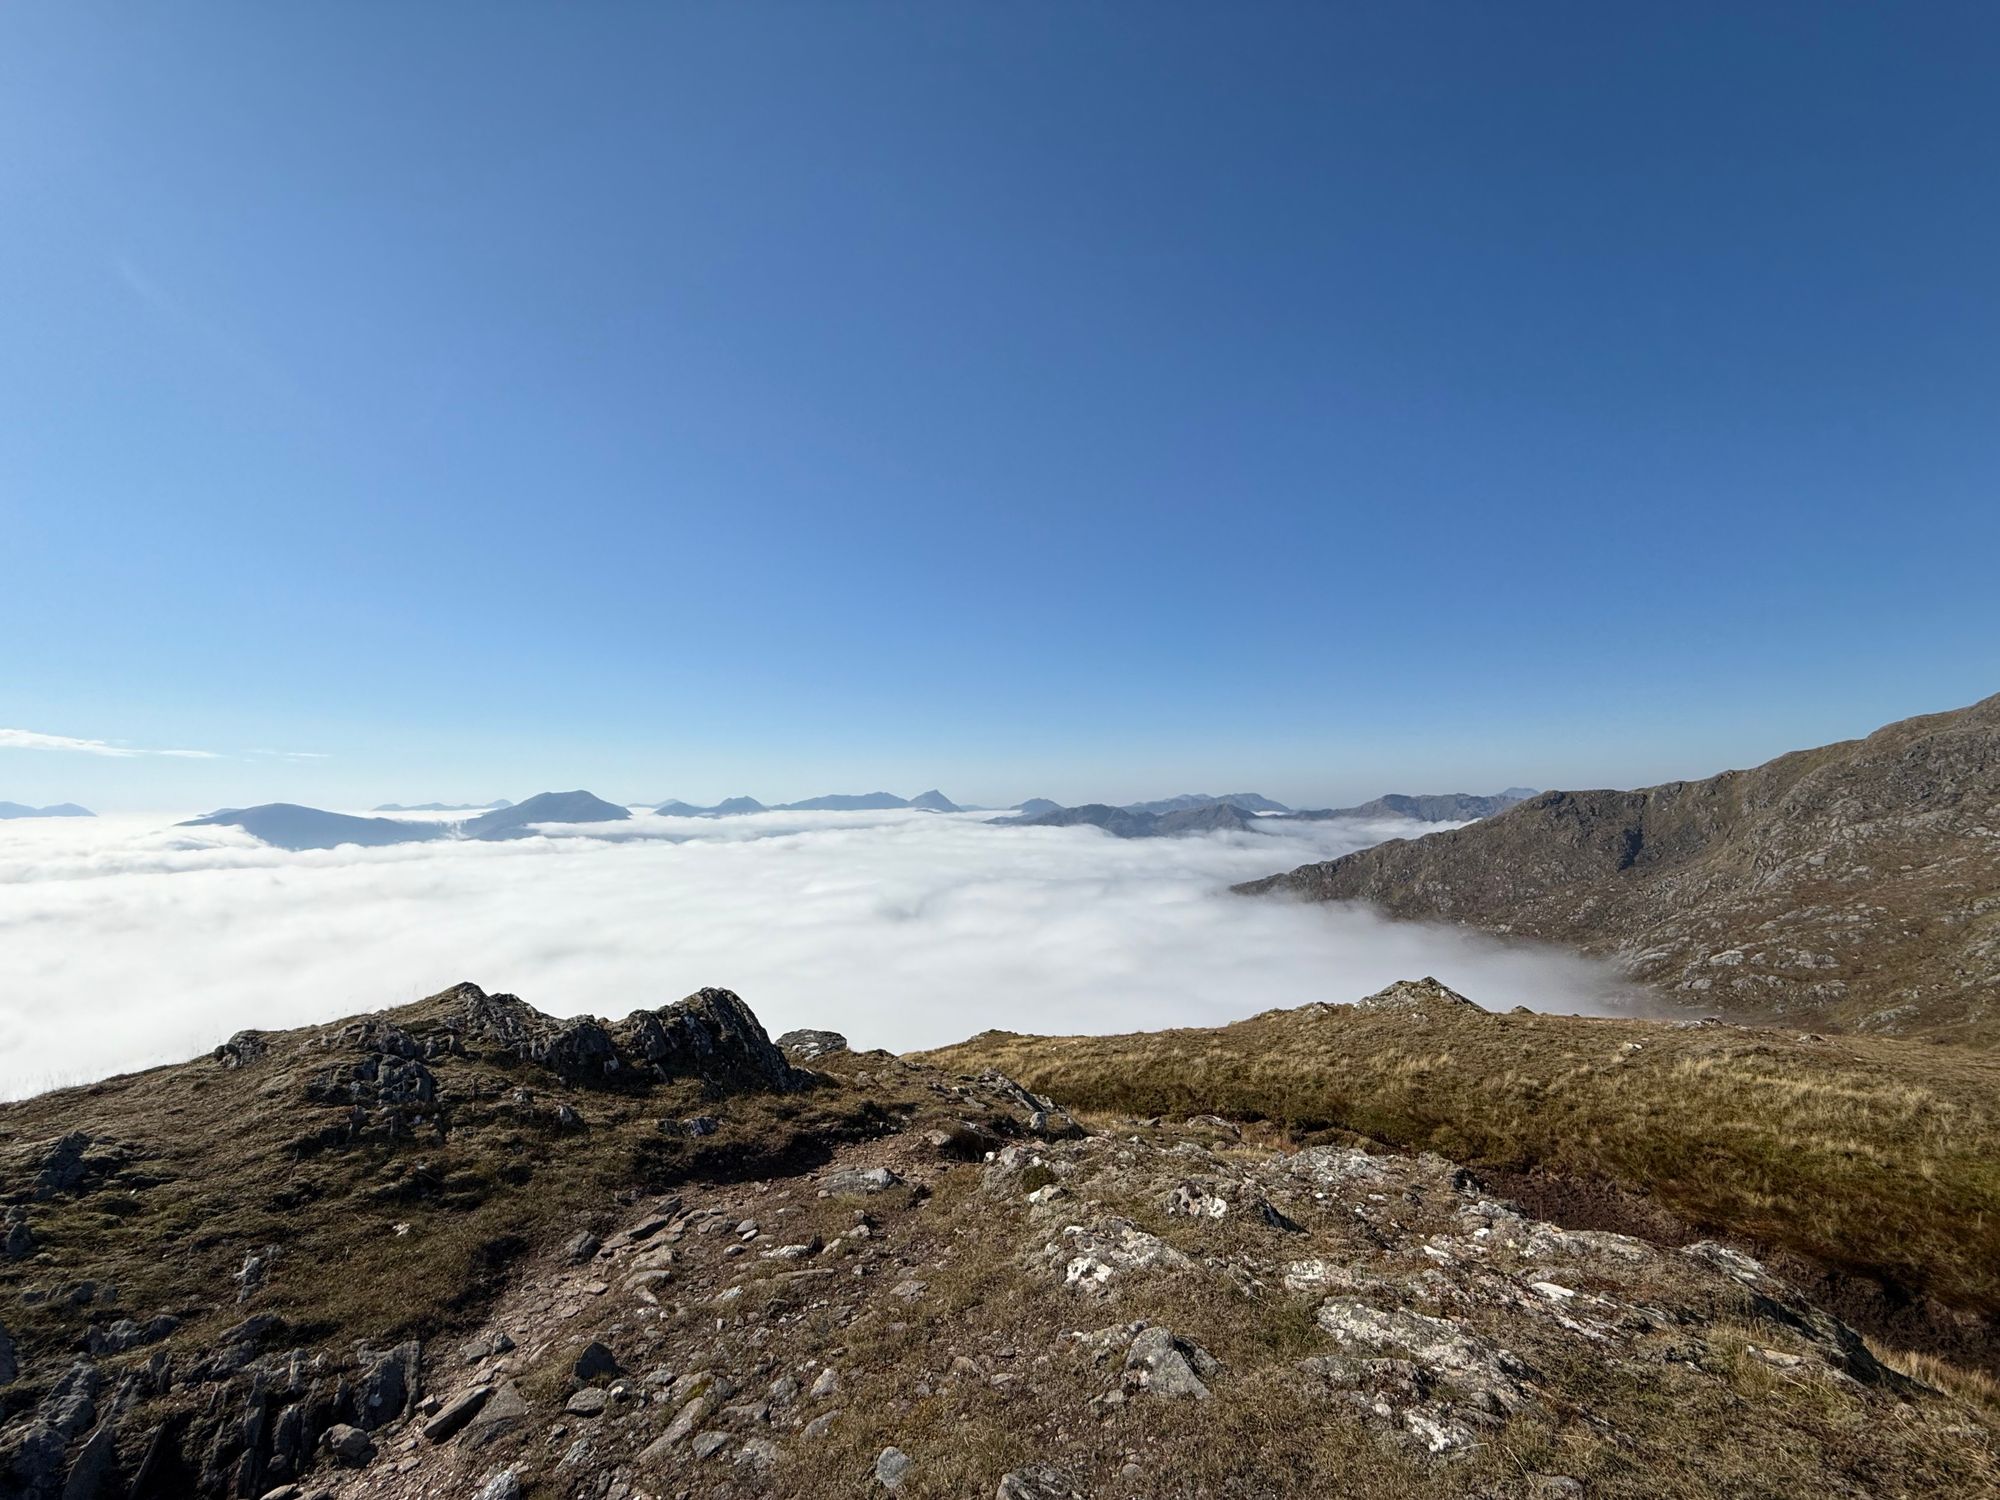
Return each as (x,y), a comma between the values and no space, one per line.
(1031,399)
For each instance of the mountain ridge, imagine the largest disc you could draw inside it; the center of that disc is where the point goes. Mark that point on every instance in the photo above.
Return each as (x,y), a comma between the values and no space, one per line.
(1853,883)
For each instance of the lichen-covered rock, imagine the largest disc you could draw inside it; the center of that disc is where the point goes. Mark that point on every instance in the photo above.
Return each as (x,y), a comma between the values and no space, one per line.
(1161,1364)
(1092,1256)
(807,1044)
(892,1468)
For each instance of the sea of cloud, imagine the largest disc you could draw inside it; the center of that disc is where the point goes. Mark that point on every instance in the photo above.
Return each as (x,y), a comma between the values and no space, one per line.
(127,941)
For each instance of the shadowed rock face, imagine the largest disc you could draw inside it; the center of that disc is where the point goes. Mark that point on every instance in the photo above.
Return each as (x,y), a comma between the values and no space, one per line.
(1856,882)
(712,1036)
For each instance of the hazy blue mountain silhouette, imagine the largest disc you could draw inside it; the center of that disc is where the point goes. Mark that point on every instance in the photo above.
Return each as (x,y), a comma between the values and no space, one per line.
(730,807)
(545,807)
(1431,807)
(286,825)
(53,810)
(396,807)
(934,801)
(846,802)
(1122,821)
(1248,801)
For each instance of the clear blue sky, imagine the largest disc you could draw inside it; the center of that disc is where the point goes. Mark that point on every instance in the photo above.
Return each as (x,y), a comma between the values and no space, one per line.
(1093,400)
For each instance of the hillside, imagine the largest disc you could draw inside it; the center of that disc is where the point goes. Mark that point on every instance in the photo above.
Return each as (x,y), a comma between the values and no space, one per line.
(53,810)
(1856,884)
(464,1248)
(1865,1158)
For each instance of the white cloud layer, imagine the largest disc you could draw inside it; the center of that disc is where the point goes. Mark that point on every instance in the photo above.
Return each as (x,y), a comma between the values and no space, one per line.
(128,943)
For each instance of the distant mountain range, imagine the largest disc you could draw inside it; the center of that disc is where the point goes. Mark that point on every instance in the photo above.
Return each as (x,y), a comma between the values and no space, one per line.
(1441,807)
(396,807)
(1854,883)
(286,825)
(54,810)
(1137,823)
(1195,813)
(1255,802)
(931,801)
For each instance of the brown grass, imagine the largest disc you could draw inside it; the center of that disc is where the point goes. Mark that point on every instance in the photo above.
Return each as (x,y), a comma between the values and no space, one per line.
(1867,1156)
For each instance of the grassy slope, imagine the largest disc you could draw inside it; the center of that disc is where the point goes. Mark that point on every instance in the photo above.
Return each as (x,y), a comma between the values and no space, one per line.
(1866,1155)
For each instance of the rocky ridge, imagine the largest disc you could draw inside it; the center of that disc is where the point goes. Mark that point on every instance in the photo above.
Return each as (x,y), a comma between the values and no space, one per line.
(1854,884)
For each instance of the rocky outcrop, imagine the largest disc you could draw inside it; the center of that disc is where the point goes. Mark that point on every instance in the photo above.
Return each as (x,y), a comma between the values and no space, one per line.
(397,1113)
(711,1036)
(1854,883)
(807,1045)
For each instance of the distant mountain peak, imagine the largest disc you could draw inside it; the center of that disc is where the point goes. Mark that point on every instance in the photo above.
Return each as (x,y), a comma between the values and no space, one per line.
(544,807)
(53,810)
(848,802)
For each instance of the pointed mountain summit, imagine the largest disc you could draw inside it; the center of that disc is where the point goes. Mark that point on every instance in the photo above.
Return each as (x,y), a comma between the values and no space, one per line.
(934,801)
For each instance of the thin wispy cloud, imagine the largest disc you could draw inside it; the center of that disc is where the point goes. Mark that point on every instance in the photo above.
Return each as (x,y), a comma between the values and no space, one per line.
(29,739)
(902,930)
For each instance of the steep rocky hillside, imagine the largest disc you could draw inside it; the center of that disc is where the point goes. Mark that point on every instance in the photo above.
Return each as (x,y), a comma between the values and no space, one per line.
(1857,884)
(464,1249)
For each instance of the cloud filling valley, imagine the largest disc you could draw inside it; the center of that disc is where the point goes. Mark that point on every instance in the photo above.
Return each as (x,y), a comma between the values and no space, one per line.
(126,942)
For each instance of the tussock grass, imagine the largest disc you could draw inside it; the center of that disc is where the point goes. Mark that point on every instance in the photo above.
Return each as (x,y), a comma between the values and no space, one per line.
(1868,1156)
(1975,1387)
